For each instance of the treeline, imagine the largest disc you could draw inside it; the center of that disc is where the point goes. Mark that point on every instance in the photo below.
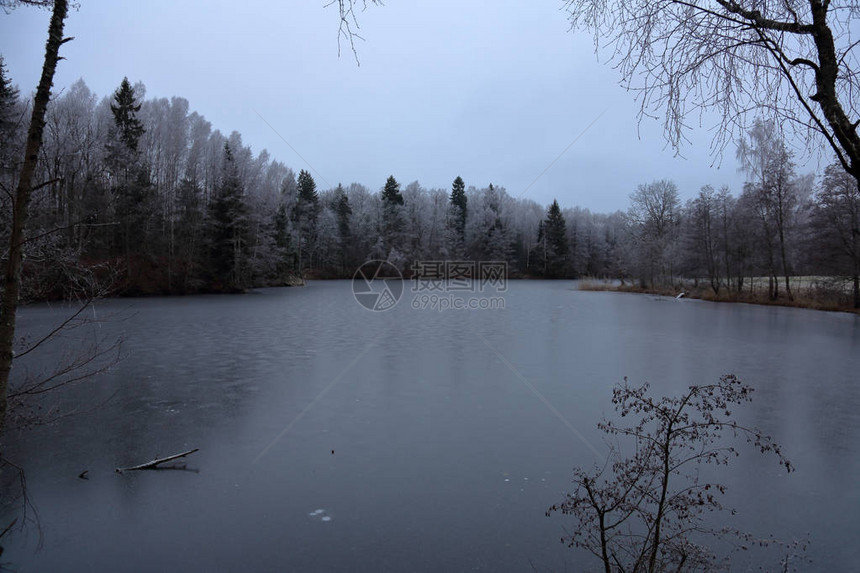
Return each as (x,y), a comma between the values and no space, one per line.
(144,196)
(780,226)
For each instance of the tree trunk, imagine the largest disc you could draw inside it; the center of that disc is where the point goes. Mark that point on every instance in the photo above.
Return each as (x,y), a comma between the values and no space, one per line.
(661,505)
(827,96)
(12,279)
(784,259)
(856,286)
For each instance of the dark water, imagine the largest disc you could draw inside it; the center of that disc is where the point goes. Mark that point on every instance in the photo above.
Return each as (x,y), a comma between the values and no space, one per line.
(444,458)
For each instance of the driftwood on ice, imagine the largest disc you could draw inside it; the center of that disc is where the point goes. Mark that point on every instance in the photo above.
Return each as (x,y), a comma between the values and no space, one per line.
(155,463)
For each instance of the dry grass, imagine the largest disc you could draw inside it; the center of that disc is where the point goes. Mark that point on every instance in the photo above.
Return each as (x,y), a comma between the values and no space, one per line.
(615,286)
(809,292)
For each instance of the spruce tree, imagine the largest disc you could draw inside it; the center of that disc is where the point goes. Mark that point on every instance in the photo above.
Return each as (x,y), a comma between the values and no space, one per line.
(459,204)
(305,214)
(392,219)
(8,100)
(129,179)
(555,230)
(307,188)
(124,108)
(391,193)
(229,228)
(9,152)
(343,211)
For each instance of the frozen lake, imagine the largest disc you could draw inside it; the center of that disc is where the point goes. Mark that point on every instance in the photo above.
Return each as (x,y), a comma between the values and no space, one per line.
(333,438)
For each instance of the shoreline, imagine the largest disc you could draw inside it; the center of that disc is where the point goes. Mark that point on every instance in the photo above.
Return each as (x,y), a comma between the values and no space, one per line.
(803,298)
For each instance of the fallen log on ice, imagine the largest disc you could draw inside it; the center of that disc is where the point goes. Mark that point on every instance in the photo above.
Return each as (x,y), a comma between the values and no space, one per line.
(153,465)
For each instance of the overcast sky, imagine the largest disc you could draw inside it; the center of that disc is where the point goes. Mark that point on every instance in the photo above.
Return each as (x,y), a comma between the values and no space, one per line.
(491,91)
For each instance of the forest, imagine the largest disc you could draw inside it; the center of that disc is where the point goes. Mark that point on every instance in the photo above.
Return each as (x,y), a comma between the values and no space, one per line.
(143,196)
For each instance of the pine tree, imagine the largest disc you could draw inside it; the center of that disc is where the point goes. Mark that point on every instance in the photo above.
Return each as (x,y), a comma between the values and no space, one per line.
(459,205)
(125,108)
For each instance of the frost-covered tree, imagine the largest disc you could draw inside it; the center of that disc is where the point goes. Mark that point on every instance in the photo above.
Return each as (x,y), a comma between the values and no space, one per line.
(490,234)
(703,236)
(654,216)
(365,224)
(416,222)
(836,224)
(776,195)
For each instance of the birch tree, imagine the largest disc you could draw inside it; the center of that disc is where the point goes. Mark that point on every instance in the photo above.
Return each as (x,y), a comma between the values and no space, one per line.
(734,58)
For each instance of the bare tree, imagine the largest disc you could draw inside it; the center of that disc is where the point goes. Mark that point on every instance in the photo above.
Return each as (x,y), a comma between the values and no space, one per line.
(645,511)
(348,29)
(654,217)
(703,230)
(37,375)
(26,185)
(775,193)
(687,58)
